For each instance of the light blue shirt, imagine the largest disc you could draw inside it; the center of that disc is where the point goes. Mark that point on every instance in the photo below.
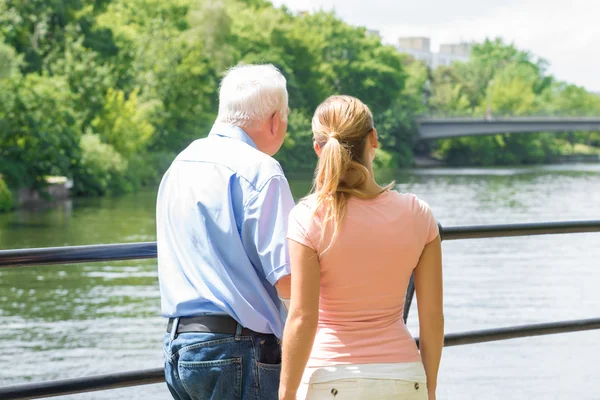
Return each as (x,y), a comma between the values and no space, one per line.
(221,218)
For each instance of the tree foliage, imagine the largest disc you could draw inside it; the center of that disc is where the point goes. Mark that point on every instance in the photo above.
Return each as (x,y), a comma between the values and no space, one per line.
(39,131)
(501,80)
(6,197)
(107,91)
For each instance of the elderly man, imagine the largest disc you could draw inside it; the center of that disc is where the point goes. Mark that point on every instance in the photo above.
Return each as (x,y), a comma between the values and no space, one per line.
(221,214)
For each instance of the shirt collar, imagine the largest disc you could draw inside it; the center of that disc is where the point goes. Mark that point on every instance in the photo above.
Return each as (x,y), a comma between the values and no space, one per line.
(232,132)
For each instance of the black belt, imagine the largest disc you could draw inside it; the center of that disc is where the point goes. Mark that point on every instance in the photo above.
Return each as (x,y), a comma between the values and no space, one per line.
(209,323)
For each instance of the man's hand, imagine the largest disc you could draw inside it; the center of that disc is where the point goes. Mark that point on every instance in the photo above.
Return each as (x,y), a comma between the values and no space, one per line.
(284,287)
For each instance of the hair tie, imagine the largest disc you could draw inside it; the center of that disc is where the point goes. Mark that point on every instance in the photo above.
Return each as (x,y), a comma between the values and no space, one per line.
(334,135)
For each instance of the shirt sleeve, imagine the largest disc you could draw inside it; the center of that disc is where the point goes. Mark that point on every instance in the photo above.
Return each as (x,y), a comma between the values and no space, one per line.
(298,226)
(265,225)
(430,226)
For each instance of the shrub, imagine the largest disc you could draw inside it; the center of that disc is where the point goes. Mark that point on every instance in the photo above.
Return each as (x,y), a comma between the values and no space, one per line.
(124,122)
(147,169)
(101,169)
(384,160)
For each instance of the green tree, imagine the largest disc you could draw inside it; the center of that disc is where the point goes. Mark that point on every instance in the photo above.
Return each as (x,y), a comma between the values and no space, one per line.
(296,154)
(101,168)
(35,28)
(6,197)
(354,63)
(163,55)
(39,132)
(503,80)
(140,79)
(562,98)
(396,126)
(124,124)
(472,81)
(448,94)
(8,61)
(210,22)
(512,91)
(89,79)
(181,79)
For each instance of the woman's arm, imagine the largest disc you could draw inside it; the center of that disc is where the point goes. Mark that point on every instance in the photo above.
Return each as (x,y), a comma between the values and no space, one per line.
(302,320)
(429,289)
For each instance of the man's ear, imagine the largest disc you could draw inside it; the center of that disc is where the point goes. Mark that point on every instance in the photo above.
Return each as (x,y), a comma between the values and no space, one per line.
(275,122)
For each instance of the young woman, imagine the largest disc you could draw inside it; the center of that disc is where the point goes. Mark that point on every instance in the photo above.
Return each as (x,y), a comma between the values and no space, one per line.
(353,247)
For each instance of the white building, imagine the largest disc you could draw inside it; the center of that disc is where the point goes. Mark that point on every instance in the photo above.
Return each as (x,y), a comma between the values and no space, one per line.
(420,49)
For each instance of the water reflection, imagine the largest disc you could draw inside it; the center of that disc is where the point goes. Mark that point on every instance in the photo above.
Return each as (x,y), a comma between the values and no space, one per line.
(78,292)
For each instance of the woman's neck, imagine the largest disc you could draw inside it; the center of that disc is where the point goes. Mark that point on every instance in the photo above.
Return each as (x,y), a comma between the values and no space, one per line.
(371,187)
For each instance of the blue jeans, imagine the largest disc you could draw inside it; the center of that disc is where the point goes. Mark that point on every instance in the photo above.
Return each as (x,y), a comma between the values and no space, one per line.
(215,366)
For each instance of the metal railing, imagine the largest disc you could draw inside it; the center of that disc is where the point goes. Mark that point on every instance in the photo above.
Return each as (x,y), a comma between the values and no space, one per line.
(146,250)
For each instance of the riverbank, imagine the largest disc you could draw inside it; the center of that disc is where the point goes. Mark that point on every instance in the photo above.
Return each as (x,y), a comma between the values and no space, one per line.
(59,188)
(428,162)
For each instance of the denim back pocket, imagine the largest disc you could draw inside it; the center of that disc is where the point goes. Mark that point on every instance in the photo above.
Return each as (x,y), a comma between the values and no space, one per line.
(268,366)
(221,379)
(268,380)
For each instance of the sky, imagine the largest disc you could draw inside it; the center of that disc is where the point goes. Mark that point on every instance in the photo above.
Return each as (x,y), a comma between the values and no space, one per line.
(566,33)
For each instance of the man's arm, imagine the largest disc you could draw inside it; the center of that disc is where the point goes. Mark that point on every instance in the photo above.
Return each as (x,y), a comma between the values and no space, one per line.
(266,218)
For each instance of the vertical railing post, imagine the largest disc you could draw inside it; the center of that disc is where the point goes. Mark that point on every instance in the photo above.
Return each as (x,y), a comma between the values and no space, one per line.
(410,294)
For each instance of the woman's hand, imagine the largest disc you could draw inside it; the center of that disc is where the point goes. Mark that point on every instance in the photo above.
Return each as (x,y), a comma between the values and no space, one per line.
(286,396)
(431,394)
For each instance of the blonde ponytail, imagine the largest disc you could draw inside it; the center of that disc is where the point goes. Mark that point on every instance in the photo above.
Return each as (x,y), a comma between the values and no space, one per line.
(341,126)
(333,163)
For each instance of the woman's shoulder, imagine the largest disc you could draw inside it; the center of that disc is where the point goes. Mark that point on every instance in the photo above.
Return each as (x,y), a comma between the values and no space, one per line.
(307,203)
(305,208)
(405,198)
(412,202)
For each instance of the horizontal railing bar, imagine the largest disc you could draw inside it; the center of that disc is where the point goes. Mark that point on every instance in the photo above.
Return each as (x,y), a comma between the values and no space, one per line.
(520,331)
(527,229)
(77,254)
(39,390)
(146,250)
(134,378)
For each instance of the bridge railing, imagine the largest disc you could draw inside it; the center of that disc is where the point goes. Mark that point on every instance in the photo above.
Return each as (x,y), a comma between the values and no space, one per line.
(129,251)
(507,114)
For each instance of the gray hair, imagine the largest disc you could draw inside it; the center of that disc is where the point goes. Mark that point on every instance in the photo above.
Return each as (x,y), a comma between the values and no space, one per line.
(252,93)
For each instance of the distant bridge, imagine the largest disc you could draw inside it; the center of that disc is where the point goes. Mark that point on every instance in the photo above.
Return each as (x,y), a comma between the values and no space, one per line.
(440,128)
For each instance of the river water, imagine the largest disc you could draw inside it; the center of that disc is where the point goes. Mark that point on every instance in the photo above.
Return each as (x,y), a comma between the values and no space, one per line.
(75,320)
